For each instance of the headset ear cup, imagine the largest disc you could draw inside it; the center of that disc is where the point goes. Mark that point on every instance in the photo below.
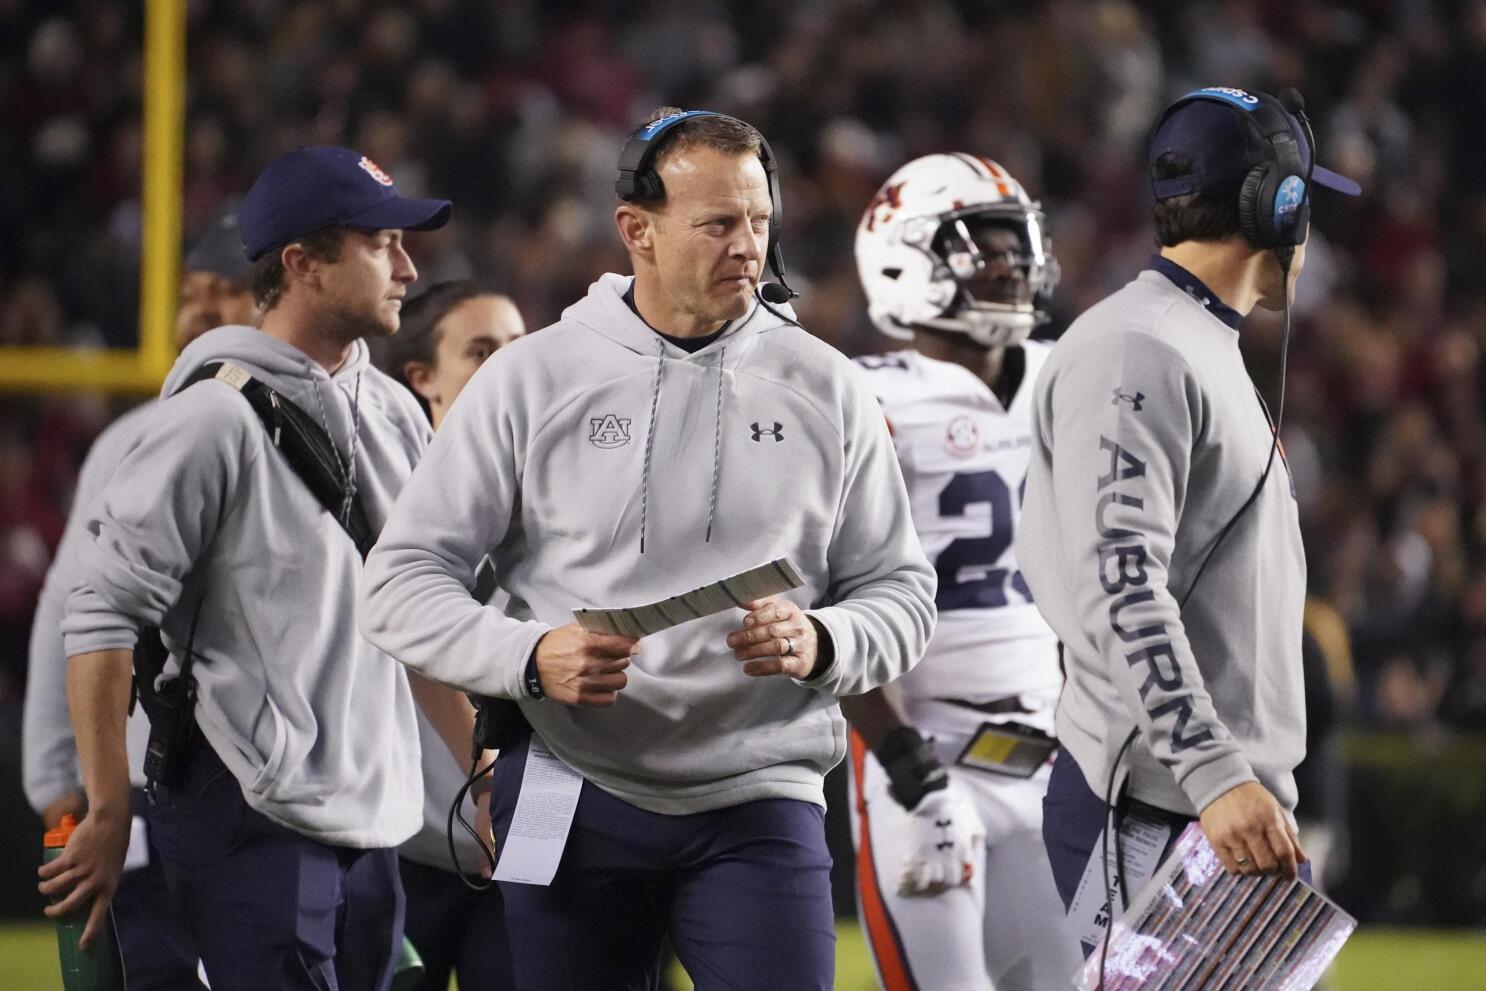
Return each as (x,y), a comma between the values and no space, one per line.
(1252,212)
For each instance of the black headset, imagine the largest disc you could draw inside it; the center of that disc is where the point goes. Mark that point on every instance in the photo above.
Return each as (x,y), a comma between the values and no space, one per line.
(1274,203)
(638,182)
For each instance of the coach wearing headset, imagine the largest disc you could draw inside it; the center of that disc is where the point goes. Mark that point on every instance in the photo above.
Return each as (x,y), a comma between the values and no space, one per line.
(1160,534)
(671,429)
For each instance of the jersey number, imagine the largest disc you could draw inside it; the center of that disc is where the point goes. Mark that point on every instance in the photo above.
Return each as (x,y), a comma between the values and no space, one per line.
(968,578)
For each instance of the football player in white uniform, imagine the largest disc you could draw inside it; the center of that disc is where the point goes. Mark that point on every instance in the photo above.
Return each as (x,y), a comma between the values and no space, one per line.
(949,764)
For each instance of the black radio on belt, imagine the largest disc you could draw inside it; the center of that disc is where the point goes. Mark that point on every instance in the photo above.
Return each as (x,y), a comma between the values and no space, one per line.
(173,732)
(171,708)
(499,723)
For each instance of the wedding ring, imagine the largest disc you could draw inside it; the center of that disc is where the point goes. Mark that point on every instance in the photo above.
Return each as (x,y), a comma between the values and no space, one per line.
(789,648)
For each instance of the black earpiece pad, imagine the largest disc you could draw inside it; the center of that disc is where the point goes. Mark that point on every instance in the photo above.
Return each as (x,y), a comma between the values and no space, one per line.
(1251,207)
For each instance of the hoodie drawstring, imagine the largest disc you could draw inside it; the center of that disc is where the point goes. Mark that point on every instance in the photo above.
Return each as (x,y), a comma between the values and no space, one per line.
(346,471)
(716,444)
(660,360)
(650,444)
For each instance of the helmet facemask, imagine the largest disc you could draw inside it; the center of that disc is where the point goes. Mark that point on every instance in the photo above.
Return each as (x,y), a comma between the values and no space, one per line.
(993,265)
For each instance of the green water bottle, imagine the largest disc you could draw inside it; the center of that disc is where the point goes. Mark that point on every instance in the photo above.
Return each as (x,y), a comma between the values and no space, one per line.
(98,968)
(409,971)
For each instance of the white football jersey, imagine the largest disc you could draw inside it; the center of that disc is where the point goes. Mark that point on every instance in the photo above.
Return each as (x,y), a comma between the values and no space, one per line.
(964,459)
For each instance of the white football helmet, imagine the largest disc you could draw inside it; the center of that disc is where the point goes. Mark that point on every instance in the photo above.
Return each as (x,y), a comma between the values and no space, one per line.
(917,256)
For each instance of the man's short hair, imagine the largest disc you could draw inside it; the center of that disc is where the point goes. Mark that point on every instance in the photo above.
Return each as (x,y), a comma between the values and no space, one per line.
(266,277)
(725,134)
(1207,216)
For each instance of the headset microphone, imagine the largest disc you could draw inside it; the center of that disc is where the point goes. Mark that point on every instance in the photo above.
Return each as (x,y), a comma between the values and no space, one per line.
(776,292)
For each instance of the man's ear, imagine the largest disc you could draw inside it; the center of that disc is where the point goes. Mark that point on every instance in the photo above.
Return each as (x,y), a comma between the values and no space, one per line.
(636,229)
(300,264)
(420,377)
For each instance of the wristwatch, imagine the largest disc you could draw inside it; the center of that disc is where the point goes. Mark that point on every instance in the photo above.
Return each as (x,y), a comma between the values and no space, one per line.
(533,680)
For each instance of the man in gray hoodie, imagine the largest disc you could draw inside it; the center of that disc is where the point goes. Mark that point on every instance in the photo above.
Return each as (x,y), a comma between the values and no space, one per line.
(670,430)
(1160,534)
(277,840)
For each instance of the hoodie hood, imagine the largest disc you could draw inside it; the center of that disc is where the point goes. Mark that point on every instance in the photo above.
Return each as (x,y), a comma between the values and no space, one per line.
(296,377)
(374,422)
(288,369)
(604,311)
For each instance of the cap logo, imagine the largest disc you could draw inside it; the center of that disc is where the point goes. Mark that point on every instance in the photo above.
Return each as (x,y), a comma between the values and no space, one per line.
(375,171)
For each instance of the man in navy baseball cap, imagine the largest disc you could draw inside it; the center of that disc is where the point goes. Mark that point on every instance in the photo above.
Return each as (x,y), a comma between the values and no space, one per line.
(323,228)
(322,186)
(277,827)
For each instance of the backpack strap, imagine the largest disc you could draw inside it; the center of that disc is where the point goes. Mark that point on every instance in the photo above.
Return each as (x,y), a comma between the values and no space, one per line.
(303,443)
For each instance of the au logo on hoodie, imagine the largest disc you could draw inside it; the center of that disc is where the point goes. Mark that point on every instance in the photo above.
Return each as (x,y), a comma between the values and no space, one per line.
(608,431)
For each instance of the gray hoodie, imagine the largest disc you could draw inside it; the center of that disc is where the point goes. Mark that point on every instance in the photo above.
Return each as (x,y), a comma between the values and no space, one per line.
(1147,438)
(574,444)
(48,747)
(315,723)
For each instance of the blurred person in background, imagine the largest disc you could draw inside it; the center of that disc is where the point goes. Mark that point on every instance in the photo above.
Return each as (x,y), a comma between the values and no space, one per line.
(153,943)
(214,282)
(299,773)
(1321,778)
(673,429)
(447,333)
(953,884)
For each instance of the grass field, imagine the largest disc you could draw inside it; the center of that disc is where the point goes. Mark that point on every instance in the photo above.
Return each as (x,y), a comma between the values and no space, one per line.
(1375,960)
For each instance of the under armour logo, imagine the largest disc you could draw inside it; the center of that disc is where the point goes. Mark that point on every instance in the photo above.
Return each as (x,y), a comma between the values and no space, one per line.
(759,433)
(1120,396)
(945,842)
(608,431)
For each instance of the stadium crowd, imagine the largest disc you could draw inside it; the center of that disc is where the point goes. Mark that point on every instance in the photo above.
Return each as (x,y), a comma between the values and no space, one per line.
(516,112)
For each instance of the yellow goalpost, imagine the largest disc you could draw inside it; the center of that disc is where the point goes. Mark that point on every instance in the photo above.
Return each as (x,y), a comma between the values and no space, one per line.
(53,369)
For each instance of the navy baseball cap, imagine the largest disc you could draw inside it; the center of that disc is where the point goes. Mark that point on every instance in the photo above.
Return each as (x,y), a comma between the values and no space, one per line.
(1216,130)
(314,187)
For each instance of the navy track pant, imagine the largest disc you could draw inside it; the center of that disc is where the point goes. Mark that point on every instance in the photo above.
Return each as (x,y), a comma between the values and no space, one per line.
(744,893)
(266,907)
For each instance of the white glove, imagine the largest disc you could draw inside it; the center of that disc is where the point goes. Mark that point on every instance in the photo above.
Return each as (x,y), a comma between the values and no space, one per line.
(944,840)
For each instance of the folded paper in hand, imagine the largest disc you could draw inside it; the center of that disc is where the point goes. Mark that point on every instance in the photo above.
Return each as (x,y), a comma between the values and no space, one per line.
(729,593)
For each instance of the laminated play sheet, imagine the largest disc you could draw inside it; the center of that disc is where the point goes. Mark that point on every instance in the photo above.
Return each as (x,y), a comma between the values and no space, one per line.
(1195,928)
(728,593)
